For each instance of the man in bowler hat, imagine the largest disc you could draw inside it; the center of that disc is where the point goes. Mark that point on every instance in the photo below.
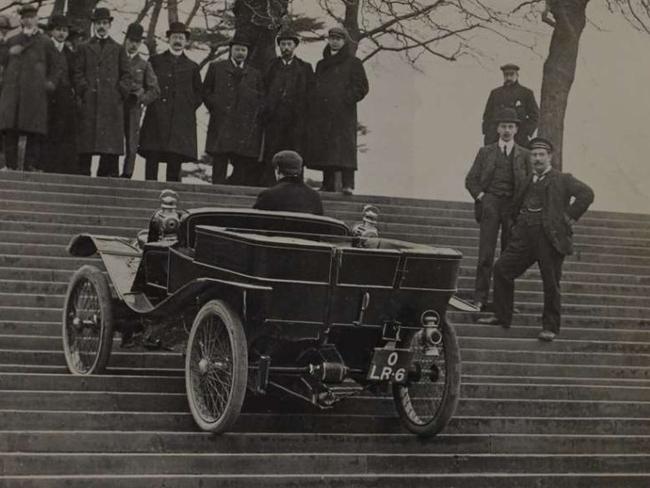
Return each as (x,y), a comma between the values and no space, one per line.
(169,128)
(287,84)
(290,194)
(60,154)
(30,74)
(499,175)
(144,90)
(515,96)
(233,92)
(547,209)
(102,81)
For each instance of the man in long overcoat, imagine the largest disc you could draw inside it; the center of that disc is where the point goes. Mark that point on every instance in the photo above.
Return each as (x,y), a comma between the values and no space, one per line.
(169,129)
(60,154)
(102,81)
(547,210)
(515,96)
(497,177)
(340,83)
(30,72)
(288,82)
(145,90)
(233,92)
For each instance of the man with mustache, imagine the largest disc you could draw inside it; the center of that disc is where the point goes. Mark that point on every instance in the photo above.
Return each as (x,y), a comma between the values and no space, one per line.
(102,81)
(169,129)
(551,204)
(60,154)
(145,90)
(30,73)
(287,83)
(515,96)
(233,92)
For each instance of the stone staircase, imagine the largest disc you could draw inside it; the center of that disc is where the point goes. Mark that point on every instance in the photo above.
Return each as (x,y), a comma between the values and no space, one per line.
(574,413)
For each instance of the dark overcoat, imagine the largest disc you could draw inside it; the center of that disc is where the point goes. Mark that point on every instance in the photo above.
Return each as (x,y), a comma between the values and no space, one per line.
(340,83)
(234,97)
(286,106)
(564,197)
(170,121)
(61,149)
(27,79)
(102,81)
(513,96)
(480,175)
(290,194)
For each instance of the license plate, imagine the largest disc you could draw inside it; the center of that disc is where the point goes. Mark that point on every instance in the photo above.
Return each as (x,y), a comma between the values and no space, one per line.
(390,365)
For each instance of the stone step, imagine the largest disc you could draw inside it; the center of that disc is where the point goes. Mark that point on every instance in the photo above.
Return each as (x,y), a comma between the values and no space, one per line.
(307,463)
(118,442)
(491,480)
(317,423)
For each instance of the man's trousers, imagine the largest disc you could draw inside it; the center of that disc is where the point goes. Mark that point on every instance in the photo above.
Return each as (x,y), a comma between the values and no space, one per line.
(529,245)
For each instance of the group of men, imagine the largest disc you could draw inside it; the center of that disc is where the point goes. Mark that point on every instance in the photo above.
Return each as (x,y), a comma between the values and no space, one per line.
(61,103)
(518,194)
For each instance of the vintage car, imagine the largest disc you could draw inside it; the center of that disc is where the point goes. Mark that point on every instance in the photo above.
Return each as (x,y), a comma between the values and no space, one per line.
(276,301)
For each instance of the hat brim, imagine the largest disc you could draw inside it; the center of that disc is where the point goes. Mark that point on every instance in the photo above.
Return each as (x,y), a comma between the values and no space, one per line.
(288,38)
(507,121)
(170,32)
(96,19)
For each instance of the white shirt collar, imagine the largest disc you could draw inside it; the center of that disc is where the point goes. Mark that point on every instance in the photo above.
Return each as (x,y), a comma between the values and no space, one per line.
(537,177)
(508,145)
(30,32)
(58,45)
(237,65)
(132,56)
(174,52)
(285,62)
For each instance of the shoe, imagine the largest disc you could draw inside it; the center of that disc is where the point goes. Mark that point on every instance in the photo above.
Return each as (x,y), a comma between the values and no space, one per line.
(546,335)
(347,191)
(492,321)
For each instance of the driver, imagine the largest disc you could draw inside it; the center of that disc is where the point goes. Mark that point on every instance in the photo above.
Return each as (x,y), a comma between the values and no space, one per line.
(165,221)
(290,194)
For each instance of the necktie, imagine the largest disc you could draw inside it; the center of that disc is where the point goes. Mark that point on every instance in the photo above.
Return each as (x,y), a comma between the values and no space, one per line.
(505,151)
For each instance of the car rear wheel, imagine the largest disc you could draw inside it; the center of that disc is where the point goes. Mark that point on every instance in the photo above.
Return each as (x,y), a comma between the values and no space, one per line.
(427,402)
(87,322)
(216,367)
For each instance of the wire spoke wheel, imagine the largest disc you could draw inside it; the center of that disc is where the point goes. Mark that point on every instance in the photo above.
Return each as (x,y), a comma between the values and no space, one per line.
(426,404)
(216,366)
(87,322)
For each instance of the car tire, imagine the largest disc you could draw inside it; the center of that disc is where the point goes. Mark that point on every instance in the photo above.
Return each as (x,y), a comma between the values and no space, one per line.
(216,371)
(441,405)
(88,322)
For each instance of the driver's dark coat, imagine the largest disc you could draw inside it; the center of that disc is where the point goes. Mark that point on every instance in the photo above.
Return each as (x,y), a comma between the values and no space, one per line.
(290,194)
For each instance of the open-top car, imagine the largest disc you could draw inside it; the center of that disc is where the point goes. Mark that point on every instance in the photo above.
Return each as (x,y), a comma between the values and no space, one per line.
(275,301)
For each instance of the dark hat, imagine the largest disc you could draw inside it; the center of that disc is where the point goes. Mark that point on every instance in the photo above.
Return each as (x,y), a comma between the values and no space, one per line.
(28,10)
(58,21)
(240,40)
(510,67)
(101,14)
(507,115)
(134,32)
(540,143)
(288,162)
(5,23)
(178,28)
(339,31)
(288,34)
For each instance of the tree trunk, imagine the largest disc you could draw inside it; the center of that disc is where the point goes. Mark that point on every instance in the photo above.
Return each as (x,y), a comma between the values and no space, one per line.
(351,22)
(560,69)
(259,21)
(80,11)
(172,11)
(151,31)
(59,7)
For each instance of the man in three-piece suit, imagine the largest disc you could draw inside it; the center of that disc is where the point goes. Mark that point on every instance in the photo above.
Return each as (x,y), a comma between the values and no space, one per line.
(551,203)
(497,177)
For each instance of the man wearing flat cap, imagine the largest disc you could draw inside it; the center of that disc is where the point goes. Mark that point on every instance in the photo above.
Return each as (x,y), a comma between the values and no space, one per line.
(30,73)
(60,154)
(169,129)
(515,96)
(497,178)
(546,211)
(287,83)
(233,92)
(290,194)
(144,90)
(102,81)
(340,84)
